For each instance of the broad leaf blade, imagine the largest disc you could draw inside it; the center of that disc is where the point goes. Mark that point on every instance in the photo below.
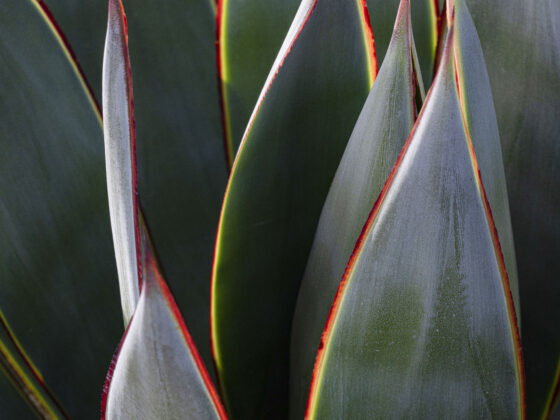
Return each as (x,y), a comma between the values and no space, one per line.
(158,372)
(120,157)
(378,137)
(521,47)
(181,162)
(250,33)
(58,293)
(423,323)
(279,181)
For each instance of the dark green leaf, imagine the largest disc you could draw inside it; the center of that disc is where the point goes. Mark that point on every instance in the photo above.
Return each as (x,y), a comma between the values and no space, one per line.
(279,181)
(250,33)
(423,324)
(378,137)
(59,291)
(521,45)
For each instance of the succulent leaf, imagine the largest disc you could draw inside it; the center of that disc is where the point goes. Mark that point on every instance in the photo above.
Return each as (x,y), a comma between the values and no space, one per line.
(249,35)
(26,378)
(379,135)
(382,14)
(521,45)
(157,372)
(280,178)
(475,97)
(423,324)
(182,169)
(58,288)
(120,158)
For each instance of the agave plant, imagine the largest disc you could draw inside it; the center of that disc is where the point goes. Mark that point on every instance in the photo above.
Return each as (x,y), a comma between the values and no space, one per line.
(387,239)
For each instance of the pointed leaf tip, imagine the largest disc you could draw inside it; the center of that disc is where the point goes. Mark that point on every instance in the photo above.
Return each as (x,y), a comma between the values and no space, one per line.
(120,157)
(377,138)
(157,372)
(421,322)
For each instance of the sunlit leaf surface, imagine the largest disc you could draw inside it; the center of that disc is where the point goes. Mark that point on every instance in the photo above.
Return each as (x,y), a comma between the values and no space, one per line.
(120,159)
(423,324)
(180,150)
(377,139)
(382,14)
(279,182)
(478,106)
(158,373)
(521,45)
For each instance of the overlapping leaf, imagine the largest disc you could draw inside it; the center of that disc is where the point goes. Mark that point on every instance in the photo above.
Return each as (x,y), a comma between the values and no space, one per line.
(181,162)
(157,372)
(279,181)
(377,139)
(423,13)
(250,33)
(423,325)
(521,47)
(58,293)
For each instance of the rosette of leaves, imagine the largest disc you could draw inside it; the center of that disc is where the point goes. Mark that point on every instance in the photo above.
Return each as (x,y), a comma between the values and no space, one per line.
(317,209)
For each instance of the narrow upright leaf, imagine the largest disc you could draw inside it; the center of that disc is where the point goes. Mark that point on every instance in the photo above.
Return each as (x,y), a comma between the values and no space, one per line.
(378,137)
(58,289)
(475,97)
(249,35)
(26,378)
(179,141)
(280,178)
(521,45)
(157,372)
(423,325)
(382,14)
(120,149)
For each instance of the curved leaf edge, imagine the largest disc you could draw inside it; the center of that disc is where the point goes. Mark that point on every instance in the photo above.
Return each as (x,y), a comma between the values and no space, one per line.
(302,16)
(25,377)
(221,63)
(49,18)
(221,15)
(553,400)
(22,375)
(331,319)
(116,7)
(150,259)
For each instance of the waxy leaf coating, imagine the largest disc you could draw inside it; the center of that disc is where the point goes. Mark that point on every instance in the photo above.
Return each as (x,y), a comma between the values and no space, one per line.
(278,184)
(378,137)
(423,324)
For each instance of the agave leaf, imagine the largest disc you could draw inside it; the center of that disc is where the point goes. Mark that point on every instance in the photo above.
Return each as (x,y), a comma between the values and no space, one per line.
(57,264)
(157,372)
(382,14)
(181,164)
(478,107)
(521,46)
(120,150)
(25,378)
(250,33)
(378,137)
(278,184)
(11,403)
(423,324)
